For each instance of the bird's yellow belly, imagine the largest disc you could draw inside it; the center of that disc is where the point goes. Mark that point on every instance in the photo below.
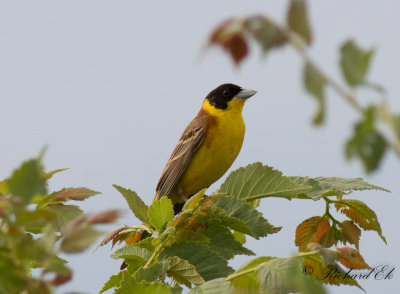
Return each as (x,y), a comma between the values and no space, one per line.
(213,158)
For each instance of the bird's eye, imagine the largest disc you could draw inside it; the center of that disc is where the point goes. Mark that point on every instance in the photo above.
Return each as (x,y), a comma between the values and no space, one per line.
(225,93)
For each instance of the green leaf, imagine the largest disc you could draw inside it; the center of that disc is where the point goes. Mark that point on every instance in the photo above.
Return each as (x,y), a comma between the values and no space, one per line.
(194,201)
(361,214)
(265,32)
(258,181)
(314,83)
(50,174)
(230,221)
(240,237)
(65,213)
(151,273)
(28,180)
(297,19)
(367,143)
(284,275)
(249,282)
(138,207)
(332,186)
(114,281)
(130,286)
(160,212)
(223,241)
(183,272)
(132,252)
(216,286)
(208,263)
(78,238)
(354,62)
(238,208)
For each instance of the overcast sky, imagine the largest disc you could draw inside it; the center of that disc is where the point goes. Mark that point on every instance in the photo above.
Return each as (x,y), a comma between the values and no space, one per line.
(110,85)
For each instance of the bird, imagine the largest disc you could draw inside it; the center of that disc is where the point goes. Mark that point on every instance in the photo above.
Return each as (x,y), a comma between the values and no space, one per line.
(206,150)
(208,146)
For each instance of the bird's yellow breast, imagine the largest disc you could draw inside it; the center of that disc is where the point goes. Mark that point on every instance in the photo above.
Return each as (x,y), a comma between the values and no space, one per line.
(220,147)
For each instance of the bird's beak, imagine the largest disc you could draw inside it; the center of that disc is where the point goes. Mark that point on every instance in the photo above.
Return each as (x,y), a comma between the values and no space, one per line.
(245,94)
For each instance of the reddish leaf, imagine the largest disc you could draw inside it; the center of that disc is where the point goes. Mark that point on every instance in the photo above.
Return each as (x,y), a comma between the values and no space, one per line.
(237,47)
(110,236)
(133,238)
(75,194)
(311,230)
(351,258)
(105,217)
(351,232)
(61,279)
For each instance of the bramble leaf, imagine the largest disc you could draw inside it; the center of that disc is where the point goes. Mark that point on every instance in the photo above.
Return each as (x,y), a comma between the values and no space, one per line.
(28,180)
(137,206)
(223,241)
(311,231)
(160,212)
(265,32)
(361,214)
(314,83)
(351,232)
(367,143)
(77,194)
(351,258)
(297,19)
(130,286)
(354,63)
(132,252)
(254,220)
(216,286)
(258,181)
(113,282)
(208,263)
(183,272)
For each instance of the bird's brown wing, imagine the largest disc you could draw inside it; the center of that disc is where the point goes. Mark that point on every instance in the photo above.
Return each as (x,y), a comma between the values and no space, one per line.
(181,156)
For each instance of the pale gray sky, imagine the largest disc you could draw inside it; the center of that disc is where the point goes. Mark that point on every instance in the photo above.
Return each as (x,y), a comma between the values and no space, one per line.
(110,85)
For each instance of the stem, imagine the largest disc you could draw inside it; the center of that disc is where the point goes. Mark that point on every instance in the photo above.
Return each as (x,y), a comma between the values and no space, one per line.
(239,274)
(299,45)
(153,256)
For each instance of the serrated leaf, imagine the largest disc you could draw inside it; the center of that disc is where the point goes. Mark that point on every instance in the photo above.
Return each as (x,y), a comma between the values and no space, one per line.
(194,201)
(314,83)
(113,282)
(137,206)
(354,63)
(132,252)
(297,19)
(230,221)
(160,212)
(238,208)
(367,143)
(258,181)
(361,214)
(28,181)
(223,241)
(208,263)
(50,174)
(328,274)
(65,213)
(265,32)
(351,258)
(183,272)
(216,286)
(311,231)
(77,194)
(79,238)
(332,186)
(130,286)
(240,237)
(351,232)
(151,273)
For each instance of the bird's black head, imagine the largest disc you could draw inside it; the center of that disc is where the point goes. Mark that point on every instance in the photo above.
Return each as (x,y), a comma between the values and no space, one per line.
(219,97)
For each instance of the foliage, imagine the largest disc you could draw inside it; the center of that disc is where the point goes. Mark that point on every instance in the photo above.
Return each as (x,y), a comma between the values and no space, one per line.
(192,249)
(36,226)
(368,142)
